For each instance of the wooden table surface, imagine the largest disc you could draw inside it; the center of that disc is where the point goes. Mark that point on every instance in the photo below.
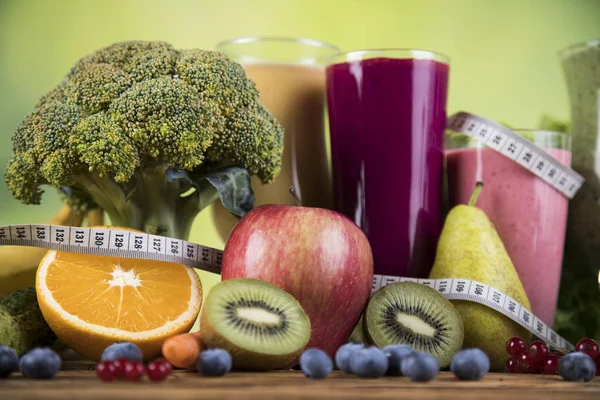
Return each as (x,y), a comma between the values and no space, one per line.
(78,381)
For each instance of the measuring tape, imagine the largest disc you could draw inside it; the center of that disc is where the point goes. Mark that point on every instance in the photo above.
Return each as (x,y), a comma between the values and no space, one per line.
(119,243)
(469,290)
(113,243)
(518,149)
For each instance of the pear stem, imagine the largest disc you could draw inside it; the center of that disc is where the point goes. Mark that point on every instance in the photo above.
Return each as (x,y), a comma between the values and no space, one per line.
(476,193)
(295,196)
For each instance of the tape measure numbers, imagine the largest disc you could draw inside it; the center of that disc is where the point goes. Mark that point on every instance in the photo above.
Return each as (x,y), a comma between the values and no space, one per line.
(127,244)
(113,243)
(468,290)
(518,149)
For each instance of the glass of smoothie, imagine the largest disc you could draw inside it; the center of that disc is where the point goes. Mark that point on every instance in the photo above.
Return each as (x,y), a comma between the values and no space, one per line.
(529,214)
(289,74)
(581,67)
(387,113)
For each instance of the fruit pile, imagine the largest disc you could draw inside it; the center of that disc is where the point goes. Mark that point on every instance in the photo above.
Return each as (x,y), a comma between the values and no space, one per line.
(124,360)
(536,358)
(366,362)
(123,368)
(402,360)
(38,363)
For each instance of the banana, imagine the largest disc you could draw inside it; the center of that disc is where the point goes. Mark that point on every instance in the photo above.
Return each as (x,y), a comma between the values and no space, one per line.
(18,264)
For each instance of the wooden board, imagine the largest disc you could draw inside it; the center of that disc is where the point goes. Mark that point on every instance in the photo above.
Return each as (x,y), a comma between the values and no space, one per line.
(78,381)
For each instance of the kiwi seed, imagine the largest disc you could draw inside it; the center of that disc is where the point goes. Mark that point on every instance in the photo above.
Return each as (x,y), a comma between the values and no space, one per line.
(416,315)
(262,326)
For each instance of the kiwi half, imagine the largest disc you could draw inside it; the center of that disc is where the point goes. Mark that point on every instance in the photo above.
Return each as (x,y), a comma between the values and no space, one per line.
(417,315)
(262,326)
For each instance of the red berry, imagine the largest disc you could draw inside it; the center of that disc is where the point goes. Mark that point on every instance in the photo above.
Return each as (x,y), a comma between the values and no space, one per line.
(538,351)
(157,371)
(513,366)
(597,360)
(588,346)
(119,364)
(106,371)
(133,371)
(167,365)
(516,346)
(529,365)
(551,364)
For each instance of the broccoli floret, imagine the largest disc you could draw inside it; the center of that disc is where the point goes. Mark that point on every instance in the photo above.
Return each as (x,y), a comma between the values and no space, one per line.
(149,133)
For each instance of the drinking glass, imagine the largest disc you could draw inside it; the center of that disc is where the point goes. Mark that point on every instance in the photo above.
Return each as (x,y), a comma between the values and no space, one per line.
(289,74)
(529,214)
(387,114)
(577,302)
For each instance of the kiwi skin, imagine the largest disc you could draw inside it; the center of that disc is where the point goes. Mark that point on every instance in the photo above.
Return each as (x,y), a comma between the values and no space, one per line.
(443,359)
(242,358)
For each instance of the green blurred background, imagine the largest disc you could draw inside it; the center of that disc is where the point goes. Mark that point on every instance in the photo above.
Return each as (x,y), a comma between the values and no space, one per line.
(504,62)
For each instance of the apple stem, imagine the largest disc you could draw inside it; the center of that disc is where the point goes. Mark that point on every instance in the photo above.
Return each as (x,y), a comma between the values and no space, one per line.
(295,196)
(476,193)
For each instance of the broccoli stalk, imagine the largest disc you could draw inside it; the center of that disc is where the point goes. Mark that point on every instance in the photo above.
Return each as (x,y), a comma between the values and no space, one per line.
(165,212)
(150,134)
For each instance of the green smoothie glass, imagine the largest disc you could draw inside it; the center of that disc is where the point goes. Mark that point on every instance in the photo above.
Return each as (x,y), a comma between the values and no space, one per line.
(579,313)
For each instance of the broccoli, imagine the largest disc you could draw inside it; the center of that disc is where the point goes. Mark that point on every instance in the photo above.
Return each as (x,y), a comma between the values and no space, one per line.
(150,134)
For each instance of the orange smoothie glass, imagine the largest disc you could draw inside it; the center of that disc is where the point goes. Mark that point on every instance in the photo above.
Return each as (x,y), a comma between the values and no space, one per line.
(290,76)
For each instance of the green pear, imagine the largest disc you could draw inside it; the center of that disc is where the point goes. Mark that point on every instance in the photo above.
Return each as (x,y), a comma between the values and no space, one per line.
(470,248)
(358,334)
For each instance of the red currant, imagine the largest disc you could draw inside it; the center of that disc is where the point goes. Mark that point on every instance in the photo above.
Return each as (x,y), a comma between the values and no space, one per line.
(538,351)
(513,366)
(529,365)
(119,364)
(588,346)
(551,364)
(597,360)
(106,371)
(167,365)
(516,346)
(157,371)
(133,371)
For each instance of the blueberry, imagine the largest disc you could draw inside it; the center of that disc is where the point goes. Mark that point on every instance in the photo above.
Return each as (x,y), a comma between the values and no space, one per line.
(577,366)
(214,362)
(342,356)
(420,367)
(315,363)
(470,364)
(395,353)
(40,363)
(9,361)
(369,362)
(125,350)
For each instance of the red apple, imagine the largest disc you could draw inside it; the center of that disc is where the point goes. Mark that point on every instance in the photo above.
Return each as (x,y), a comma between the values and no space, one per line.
(319,256)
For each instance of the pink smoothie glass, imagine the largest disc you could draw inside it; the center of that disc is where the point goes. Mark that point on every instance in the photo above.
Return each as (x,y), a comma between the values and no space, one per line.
(528,213)
(387,114)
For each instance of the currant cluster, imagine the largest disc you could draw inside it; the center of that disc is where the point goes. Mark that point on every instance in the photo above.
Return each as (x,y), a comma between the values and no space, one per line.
(122,368)
(538,359)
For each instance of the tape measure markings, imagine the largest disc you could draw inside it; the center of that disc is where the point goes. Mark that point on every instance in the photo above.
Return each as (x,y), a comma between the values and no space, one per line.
(114,243)
(120,243)
(518,149)
(469,290)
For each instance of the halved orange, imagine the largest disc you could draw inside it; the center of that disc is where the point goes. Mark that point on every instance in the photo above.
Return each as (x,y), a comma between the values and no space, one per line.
(91,302)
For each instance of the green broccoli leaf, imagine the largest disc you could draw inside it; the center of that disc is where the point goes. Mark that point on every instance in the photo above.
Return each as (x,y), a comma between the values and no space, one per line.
(232,184)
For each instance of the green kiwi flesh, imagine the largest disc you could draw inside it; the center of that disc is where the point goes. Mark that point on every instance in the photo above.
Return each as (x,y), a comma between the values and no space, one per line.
(262,326)
(416,315)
